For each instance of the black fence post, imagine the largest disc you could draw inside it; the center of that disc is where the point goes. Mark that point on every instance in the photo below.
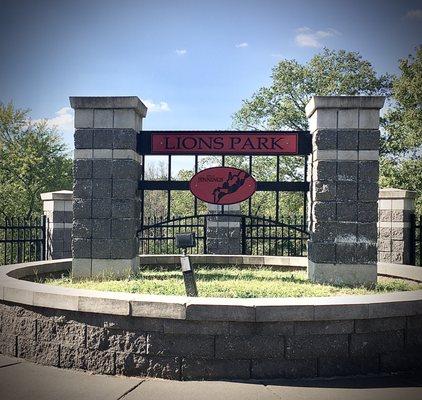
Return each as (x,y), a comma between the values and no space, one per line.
(243,228)
(418,242)
(44,238)
(412,239)
(205,235)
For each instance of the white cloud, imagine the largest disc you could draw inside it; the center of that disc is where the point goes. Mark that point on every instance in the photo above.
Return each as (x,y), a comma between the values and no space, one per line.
(63,120)
(180,52)
(161,106)
(242,45)
(414,14)
(307,37)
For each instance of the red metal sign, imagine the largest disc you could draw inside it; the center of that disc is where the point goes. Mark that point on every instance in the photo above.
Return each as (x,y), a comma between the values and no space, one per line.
(222,185)
(270,143)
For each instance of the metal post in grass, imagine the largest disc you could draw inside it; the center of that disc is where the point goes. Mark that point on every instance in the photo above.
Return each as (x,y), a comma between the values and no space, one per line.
(183,241)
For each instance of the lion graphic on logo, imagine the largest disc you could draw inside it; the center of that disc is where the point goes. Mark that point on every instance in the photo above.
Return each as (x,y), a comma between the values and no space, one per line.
(232,184)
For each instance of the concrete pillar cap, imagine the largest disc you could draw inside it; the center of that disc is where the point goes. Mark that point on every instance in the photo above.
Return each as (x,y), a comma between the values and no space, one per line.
(58,195)
(392,193)
(109,102)
(227,208)
(344,102)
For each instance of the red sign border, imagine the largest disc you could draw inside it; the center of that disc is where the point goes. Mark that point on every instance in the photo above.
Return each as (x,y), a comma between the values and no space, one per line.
(222,152)
(226,204)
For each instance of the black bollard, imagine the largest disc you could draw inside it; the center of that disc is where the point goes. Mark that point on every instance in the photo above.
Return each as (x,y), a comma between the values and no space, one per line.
(188,276)
(183,241)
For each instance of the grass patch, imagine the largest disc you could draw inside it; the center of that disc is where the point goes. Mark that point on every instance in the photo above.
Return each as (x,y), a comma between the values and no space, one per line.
(231,282)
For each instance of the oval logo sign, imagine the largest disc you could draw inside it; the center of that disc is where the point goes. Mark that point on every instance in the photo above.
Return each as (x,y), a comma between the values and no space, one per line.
(222,185)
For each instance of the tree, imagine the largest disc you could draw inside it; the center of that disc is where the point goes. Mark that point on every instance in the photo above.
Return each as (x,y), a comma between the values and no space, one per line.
(281,105)
(32,160)
(154,201)
(329,73)
(401,144)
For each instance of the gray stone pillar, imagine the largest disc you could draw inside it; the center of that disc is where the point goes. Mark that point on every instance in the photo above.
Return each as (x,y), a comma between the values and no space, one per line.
(57,207)
(106,173)
(395,207)
(223,232)
(344,189)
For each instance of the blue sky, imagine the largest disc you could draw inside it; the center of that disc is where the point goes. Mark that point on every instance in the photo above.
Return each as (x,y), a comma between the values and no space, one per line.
(191,61)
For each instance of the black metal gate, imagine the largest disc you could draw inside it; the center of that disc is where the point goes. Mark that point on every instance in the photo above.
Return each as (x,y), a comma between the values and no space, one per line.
(258,235)
(416,240)
(22,240)
(275,234)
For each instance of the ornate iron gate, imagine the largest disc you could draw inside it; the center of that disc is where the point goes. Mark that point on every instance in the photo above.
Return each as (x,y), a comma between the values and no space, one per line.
(258,235)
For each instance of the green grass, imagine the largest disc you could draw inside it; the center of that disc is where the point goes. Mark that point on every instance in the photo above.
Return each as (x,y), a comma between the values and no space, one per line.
(231,282)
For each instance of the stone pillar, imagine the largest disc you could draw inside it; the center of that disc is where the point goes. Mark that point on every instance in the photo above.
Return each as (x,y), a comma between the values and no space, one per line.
(223,232)
(105,187)
(395,207)
(57,207)
(344,189)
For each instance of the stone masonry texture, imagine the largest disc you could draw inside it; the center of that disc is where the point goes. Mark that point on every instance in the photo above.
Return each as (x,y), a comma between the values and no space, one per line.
(57,207)
(223,232)
(107,169)
(395,207)
(343,197)
(183,350)
(106,202)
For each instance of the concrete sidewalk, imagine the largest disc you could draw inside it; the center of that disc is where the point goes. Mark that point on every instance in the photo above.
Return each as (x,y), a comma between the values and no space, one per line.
(21,380)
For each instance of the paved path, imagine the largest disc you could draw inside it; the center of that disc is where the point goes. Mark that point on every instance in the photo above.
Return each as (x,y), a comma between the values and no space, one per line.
(21,380)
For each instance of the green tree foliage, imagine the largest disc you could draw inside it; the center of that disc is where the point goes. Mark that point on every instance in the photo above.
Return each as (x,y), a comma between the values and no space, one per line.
(281,106)
(32,160)
(155,201)
(182,201)
(401,144)
(329,73)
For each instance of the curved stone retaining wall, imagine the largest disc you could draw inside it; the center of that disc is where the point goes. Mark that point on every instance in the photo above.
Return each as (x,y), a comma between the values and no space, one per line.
(204,338)
(226,260)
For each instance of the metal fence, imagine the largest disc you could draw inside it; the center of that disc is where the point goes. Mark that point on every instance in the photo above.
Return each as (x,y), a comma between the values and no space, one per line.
(22,240)
(416,240)
(264,236)
(258,235)
(158,235)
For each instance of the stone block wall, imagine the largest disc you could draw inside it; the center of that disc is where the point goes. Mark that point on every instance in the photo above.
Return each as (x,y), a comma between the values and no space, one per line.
(107,168)
(223,232)
(344,189)
(182,349)
(395,207)
(57,207)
